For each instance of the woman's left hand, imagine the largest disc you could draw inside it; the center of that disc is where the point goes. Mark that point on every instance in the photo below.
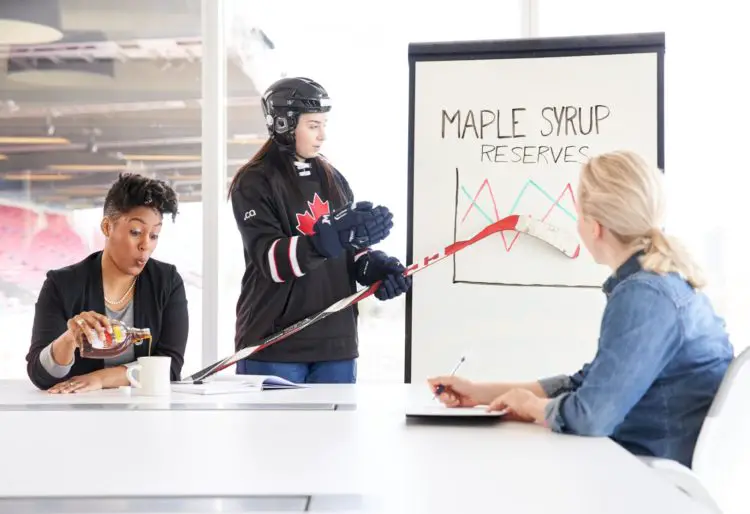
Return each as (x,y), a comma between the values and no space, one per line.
(521,405)
(376,266)
(81,384)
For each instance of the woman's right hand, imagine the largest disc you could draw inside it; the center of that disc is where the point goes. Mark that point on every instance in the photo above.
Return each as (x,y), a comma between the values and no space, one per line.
(88,323)
(351,228)
(457,391)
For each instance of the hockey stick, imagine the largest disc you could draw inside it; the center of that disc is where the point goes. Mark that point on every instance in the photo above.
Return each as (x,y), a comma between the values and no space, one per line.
(561,240)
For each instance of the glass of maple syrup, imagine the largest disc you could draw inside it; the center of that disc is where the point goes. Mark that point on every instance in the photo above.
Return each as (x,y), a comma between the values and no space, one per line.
(112,344)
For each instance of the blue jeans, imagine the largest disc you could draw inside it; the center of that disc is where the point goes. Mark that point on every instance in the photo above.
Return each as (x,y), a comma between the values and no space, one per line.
(326,372)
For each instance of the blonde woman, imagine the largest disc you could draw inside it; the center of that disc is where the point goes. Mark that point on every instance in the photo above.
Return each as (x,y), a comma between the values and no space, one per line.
(662,350)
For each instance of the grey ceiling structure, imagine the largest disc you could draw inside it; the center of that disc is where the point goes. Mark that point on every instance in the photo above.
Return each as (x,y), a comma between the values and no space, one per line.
(120,90)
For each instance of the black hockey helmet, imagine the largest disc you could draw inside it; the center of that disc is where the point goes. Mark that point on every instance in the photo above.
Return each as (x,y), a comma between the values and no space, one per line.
(285,100)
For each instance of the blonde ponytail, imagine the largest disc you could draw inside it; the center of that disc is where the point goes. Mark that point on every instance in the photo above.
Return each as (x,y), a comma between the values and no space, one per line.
(626,195)
(665,254)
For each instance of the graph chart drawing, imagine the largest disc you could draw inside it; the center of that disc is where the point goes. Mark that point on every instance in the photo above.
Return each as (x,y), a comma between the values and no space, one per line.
(513,210)
(512,258)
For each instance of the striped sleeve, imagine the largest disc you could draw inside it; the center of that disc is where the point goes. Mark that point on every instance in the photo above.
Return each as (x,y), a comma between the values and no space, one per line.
(277,255)
(283,259)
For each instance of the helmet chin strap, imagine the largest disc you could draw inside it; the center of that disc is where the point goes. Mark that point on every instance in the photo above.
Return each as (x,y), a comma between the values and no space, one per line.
(286,144)
(289,147)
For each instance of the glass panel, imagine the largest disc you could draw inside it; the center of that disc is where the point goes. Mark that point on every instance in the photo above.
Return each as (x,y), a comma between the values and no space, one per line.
(705,99)
(359,54)
(588,17)
(117,90)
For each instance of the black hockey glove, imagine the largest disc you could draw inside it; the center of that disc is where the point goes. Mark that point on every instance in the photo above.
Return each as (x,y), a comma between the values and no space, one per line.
(353,228)
(376,265)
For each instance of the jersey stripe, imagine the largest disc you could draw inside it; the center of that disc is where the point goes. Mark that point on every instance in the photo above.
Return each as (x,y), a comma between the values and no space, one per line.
(272,266)
(293,257)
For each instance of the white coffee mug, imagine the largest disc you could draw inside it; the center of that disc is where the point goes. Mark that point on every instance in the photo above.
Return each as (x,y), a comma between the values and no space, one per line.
(153,376)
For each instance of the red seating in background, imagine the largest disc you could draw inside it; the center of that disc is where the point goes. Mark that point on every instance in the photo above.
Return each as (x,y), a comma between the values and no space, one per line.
(16,227)
(28,248)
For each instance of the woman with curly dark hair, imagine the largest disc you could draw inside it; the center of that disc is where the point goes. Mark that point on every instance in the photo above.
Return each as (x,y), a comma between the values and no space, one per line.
(122,283)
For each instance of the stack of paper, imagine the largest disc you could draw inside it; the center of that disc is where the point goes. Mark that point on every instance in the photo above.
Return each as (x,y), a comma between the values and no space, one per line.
(236,384)
(437,409)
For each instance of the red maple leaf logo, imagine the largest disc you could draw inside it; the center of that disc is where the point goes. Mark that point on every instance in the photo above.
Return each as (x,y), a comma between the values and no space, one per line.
(317,208)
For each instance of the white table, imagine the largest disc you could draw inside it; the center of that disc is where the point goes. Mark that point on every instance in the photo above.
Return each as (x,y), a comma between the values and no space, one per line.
(366,457)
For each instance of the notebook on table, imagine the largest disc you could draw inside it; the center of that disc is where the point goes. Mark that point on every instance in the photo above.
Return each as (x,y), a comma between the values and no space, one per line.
(437,410)
(236,384)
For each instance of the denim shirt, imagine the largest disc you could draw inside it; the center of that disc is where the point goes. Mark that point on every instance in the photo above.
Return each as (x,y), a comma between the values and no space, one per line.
(661,356)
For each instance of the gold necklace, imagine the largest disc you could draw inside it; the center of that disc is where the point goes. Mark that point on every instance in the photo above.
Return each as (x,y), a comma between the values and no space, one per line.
(122,299)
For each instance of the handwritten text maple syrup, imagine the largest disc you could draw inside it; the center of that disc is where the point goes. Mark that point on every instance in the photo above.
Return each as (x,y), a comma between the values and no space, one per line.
(115,343)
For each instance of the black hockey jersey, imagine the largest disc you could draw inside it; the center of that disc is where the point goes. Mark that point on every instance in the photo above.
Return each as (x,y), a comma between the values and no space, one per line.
(285,278)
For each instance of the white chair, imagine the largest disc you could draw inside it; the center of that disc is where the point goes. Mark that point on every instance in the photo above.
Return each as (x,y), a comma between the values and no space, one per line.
(721,461)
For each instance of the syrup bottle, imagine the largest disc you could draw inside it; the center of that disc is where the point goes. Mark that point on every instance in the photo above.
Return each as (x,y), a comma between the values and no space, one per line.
(113,344)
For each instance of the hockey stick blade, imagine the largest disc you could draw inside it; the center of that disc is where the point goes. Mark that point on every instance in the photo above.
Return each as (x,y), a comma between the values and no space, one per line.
(558,238)
(555,237)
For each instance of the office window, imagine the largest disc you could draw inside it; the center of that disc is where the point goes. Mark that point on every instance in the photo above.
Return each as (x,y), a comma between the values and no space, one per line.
(106,88)
(705,103)
(359,54)
(588,17)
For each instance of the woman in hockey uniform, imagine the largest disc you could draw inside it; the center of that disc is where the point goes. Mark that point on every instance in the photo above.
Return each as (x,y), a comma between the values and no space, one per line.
(306,244)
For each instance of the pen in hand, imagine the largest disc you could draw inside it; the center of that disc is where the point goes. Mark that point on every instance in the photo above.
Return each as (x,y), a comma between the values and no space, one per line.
(441,388)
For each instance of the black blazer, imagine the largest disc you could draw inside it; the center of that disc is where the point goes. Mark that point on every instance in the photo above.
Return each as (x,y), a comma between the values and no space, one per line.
(159,300)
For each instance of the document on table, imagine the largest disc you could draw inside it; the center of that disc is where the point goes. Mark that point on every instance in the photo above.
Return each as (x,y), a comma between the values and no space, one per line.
(236,384)
(438,409)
